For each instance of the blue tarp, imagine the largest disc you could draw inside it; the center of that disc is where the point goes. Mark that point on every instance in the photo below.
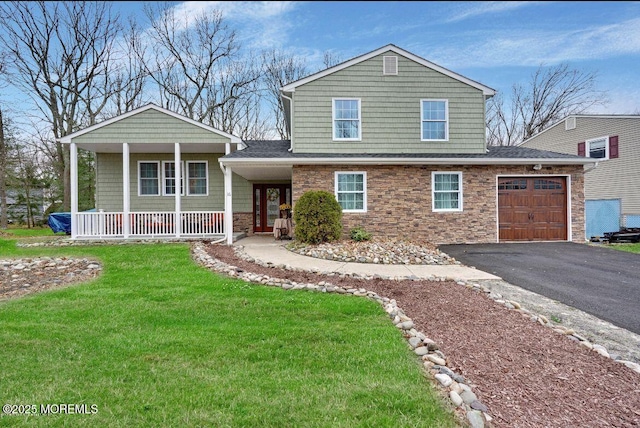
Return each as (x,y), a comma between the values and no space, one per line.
(60,222)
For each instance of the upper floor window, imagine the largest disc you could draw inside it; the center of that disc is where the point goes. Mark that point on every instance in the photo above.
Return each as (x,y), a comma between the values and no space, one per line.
(435,120)
(446,191)
(598,148)
(149,178)
(346,119)
(351,191)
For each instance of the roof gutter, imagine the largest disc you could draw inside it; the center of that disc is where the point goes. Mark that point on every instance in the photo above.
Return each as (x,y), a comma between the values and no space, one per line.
(404,161)
(290,121)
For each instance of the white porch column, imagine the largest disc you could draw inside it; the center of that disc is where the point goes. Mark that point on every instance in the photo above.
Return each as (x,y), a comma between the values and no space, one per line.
(178,190)
(73,165)
(228,205)
(126,191)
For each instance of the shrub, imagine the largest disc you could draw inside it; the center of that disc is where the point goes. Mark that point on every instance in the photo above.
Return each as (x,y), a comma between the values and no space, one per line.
(358,234)
(318,217)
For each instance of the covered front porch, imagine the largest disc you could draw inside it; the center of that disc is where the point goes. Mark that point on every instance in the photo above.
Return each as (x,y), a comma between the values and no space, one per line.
(157,176)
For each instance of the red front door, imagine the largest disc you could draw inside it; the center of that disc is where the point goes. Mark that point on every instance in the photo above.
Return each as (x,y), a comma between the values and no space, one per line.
(267,199)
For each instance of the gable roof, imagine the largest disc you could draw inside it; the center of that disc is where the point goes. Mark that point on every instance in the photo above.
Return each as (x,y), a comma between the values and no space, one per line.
(487,91)
(67,139)
(588,116)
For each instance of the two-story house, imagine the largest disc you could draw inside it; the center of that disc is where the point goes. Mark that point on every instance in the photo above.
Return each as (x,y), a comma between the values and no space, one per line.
(611,187)
(399,140)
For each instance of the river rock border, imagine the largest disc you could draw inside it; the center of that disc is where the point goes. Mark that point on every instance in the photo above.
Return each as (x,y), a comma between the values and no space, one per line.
(434,361)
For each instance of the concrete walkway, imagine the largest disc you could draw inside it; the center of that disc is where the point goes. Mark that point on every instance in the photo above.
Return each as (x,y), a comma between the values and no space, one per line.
(267,249)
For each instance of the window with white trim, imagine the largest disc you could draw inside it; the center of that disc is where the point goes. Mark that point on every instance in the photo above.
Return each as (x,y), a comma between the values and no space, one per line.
(434,120)
(346,119)
(169,178)
(446,191)
(148,178)
(197,178)
(598,148)
(351,191)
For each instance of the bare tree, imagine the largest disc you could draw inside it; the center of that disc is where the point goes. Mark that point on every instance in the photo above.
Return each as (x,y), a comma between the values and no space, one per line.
(195,62)
(60,54)
(330,59)
(4,221)
(279,69)
(552,94)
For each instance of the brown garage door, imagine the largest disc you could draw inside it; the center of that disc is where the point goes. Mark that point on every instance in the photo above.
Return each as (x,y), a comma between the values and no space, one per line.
(532,208)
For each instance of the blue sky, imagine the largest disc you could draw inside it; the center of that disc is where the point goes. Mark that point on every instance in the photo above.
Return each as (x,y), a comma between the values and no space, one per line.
(495,43)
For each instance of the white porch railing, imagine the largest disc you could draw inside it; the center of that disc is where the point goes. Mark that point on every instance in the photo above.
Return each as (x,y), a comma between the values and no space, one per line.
(149,224)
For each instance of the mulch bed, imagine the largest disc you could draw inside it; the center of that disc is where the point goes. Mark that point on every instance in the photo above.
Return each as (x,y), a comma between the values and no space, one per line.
(526,374)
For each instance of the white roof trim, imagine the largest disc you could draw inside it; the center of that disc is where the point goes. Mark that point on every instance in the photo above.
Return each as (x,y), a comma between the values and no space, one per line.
(405,161)
(485,89)
(67,139)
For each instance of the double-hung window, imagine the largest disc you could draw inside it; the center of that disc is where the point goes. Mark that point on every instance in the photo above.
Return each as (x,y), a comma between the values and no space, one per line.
(446,191)
(435,120)
(351,191)
(169,178)
(598,148)
(148,178)
(197,178)
(346,119)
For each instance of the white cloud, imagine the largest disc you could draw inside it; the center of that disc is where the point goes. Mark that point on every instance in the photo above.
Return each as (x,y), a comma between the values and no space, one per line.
(472,10)
(532,48)
(263,23)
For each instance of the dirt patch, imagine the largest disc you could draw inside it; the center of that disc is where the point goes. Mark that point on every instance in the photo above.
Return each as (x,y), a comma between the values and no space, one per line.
(527,374)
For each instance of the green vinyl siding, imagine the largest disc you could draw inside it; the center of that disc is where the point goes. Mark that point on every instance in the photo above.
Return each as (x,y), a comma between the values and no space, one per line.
(151,126)
(390,105)
(109,185)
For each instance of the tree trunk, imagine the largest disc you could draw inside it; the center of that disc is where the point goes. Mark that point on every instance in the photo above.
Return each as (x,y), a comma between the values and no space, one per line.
(3,173)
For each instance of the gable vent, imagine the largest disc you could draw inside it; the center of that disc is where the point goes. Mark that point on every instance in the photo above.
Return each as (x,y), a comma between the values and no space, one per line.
(390,65)
(570,123)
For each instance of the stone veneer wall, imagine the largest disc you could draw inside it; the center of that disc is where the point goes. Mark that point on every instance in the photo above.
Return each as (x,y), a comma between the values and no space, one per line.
(399,200)
(243,222)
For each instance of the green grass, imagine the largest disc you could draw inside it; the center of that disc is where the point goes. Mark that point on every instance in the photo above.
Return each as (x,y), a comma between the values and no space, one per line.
(159,341)
(20,232)
(630,248)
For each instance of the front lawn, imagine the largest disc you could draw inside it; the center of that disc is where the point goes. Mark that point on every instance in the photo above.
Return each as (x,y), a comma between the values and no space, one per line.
(159,341)
(630,248)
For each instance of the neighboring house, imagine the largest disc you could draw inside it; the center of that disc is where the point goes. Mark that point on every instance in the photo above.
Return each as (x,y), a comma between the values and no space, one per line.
(399,140)
(611,187)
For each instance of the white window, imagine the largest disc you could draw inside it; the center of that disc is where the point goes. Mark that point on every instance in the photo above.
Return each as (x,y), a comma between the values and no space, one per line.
(148,178)
(351,191)
(346,119)
(435,120)
(197,178)
(446,191)
(169,178)
(598,148)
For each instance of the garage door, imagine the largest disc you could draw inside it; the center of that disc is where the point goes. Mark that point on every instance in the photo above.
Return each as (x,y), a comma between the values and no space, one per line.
(532,208)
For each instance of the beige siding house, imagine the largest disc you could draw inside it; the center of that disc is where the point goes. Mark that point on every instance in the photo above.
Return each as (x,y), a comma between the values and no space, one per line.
(612,186)
(399,140)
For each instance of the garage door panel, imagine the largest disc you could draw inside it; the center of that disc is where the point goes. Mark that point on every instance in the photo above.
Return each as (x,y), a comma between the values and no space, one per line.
(532,209)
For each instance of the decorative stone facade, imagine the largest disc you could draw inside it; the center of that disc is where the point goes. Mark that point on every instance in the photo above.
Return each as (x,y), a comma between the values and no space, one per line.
(243,222)
(399,201)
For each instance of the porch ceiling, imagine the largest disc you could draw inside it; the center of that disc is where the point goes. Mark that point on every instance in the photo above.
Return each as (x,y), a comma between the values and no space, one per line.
(263,172)
(154,147)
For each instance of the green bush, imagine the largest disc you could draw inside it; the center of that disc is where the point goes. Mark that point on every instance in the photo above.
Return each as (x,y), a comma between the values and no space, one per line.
(358,234)
(318,217)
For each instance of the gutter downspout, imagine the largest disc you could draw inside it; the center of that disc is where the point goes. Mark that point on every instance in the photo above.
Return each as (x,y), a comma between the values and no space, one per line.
(595,165)
(291,121)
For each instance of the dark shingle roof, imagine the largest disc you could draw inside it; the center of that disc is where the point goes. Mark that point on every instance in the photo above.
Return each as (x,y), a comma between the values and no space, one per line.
(279,149)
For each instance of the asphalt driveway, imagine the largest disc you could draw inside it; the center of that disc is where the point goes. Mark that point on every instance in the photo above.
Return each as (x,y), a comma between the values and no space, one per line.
(598,280)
